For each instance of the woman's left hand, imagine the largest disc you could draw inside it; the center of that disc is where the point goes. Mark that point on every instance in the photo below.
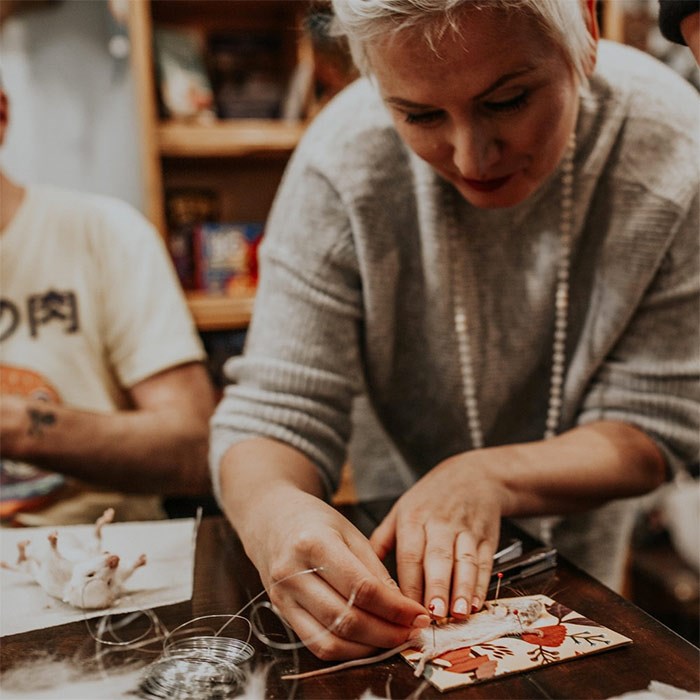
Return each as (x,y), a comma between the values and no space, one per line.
(445,529)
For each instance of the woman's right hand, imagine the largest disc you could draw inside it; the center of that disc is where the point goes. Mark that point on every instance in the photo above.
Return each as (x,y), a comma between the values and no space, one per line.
(348,605)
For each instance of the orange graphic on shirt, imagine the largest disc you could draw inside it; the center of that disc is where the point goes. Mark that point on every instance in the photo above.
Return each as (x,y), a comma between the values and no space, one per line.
(24,486)
(25,382)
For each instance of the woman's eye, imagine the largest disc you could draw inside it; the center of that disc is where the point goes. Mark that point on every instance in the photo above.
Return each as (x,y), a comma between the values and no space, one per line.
(91,574)
(511,105)
(421,117)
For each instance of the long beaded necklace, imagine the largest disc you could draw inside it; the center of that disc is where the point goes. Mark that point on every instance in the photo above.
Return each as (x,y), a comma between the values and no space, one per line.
(561,308)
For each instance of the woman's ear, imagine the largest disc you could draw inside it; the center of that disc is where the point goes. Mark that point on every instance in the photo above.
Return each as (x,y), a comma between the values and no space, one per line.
(591,17)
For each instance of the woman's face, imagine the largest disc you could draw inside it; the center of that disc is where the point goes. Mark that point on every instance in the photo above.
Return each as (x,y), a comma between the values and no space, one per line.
(491,110)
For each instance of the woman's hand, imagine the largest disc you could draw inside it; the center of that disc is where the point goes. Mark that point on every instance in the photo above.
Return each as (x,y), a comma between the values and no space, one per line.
(349,605)
(445,530)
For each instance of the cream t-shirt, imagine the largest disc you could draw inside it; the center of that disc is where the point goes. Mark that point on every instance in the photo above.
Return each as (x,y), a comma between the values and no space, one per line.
(89,306)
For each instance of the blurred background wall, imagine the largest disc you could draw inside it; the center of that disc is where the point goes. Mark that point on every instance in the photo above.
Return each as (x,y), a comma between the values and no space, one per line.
(73,118)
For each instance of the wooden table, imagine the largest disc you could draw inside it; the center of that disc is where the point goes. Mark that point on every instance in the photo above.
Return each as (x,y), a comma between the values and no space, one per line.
(225,580)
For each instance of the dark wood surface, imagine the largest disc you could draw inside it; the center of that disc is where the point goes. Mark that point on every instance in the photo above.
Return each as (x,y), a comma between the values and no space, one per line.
(225,580)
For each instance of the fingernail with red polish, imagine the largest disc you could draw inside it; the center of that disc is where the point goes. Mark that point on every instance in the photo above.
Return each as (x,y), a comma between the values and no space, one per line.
(460,607)
(437,607)
(476,604)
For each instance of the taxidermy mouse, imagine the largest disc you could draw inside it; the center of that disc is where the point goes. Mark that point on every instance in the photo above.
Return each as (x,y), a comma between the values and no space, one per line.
(500,619)
(82,576)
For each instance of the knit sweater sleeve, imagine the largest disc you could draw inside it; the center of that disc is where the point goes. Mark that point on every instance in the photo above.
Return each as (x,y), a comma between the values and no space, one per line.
(651,377)
(300,369)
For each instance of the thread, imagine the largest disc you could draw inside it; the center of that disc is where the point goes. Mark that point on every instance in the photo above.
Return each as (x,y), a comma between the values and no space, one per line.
(200,667)
(204,658)
(199,662)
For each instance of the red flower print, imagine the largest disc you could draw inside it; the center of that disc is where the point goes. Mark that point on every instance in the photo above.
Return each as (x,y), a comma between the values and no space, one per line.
(462,661)
(551,636)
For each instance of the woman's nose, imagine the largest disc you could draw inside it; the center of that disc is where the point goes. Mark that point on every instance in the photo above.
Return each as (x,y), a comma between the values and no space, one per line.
(475,151)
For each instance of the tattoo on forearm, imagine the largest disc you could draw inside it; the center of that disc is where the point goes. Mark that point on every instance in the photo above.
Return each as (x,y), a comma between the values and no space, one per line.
(38,419)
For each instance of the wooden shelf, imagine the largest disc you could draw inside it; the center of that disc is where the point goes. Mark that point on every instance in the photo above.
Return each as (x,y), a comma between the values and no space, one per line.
(241,160)
(220,312)
(224,139)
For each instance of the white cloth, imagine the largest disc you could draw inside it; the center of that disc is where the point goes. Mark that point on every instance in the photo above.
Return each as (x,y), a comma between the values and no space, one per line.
(680,509)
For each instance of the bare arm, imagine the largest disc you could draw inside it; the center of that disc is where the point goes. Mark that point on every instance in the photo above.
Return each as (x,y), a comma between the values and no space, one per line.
(445,528)
(159,447)
(346,604)
(580,469)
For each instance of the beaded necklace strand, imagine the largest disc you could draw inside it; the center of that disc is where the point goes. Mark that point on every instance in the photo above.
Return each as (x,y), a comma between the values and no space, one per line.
(561,307)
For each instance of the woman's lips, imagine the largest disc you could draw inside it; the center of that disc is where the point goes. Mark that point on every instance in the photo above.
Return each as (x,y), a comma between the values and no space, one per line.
(487,185)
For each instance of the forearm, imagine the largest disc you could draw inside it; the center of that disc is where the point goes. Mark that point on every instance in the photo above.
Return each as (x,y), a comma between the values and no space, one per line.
(144,450)
(580,469)
(259,471)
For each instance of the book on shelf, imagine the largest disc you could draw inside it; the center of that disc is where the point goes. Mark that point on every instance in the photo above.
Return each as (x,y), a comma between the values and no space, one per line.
(184,86)
(247,73)
(225,256)
(185,209)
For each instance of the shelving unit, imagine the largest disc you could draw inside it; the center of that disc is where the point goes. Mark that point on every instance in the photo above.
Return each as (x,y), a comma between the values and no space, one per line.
(242,159)
(216,312)
(249,137)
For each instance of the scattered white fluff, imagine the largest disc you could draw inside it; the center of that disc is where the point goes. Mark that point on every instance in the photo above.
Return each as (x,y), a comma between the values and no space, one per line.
(658,691)
(255,685)
(45,678)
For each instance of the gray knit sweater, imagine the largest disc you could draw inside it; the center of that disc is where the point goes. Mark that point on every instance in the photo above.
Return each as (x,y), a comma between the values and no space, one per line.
(356,296)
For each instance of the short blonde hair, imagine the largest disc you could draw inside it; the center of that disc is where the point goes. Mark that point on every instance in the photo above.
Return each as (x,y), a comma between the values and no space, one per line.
(364,21)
